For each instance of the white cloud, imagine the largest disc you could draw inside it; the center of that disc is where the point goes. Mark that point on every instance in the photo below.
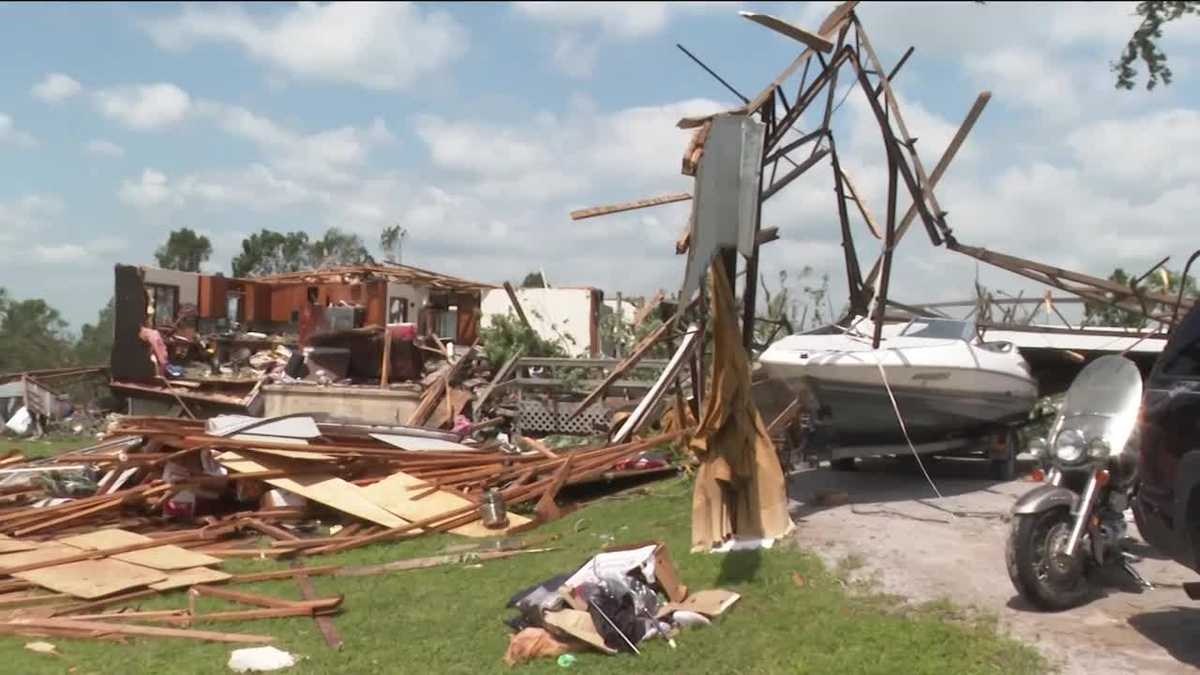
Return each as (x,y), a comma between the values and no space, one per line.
(103,148)
(582,28)
(27,213)
(375,45)
(60,253)
(1030,78)
(56,87)
(11,135)
(1158,149)
(325,155)
(149,190)
(144,106)
(625,20)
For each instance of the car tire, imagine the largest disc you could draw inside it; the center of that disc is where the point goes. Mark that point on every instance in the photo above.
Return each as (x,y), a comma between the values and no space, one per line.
(843,464)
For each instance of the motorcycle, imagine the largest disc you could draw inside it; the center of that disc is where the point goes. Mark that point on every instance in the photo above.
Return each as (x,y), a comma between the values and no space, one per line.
(1073,524)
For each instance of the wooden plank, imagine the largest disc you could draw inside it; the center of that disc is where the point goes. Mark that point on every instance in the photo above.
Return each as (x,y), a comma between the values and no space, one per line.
(192,577)
(939,170)
(144,631)
(855,196)
(10,545)
(90,579)
(516,305)
(323,489)
(284,574)
(594,211)
(167,557)
(324,623)
(810,40)
(444,415)
(395,493)
(499,377)
(270,602)
(43,553)
(621,368)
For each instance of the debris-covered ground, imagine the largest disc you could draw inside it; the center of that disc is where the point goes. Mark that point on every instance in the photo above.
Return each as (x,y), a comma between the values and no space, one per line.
(793,615)
(920,551)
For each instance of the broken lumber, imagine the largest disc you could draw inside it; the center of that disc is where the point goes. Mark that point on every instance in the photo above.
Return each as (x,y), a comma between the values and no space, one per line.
(630,206)
(85,627)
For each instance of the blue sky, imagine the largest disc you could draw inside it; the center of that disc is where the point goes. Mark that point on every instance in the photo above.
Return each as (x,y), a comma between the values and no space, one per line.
(479,126)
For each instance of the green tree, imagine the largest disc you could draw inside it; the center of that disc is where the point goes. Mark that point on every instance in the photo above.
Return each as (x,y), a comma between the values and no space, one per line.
(391,240)
(32,335)
(1162,281)
(505,335)
(338,248)
(533,280)
(1143,44)
(269,252)
(184,251)
(95,340)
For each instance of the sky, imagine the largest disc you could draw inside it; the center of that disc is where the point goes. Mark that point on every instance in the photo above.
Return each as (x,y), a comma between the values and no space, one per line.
(478,127)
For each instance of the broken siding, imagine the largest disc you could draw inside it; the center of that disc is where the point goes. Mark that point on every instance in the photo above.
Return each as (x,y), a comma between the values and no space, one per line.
(567,316)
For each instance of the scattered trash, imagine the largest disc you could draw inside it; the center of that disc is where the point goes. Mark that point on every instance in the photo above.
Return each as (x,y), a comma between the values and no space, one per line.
(42,648)
(260,660)
(567,660)
(615,601)
(799,580)
(531,643)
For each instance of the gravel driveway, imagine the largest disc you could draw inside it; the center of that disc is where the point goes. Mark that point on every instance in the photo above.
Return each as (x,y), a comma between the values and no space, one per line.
(920,550)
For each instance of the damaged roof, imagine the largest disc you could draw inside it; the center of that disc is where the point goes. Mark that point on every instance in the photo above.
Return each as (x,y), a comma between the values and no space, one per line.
(392,272)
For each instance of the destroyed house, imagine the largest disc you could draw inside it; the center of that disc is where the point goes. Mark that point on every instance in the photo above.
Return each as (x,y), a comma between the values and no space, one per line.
(214,337)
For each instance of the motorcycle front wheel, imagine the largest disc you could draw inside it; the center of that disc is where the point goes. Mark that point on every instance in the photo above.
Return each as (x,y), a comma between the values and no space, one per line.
(1038,569)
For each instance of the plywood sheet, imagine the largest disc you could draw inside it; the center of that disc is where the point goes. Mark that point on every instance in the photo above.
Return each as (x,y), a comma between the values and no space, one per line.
(168,557)
(196,575)
(328,490)
(10,545)
(291,454)
(392,493)
(90,579)
(420,443)
(39,554)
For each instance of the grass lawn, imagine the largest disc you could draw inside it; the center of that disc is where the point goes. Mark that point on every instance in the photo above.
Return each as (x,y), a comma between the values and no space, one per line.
(448,619)
(51,444)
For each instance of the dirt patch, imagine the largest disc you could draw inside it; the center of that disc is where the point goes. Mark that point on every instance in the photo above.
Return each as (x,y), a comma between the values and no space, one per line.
(927,549)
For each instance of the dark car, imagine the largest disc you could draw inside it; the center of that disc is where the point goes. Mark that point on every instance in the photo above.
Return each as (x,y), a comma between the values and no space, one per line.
(1167,505)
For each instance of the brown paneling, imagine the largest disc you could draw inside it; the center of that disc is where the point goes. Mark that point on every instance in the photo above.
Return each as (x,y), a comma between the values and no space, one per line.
(213,291)
(285,300)
(256,304)
(376,302)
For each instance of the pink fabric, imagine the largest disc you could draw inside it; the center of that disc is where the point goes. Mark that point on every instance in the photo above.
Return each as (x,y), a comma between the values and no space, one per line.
(158,348)
(402,331)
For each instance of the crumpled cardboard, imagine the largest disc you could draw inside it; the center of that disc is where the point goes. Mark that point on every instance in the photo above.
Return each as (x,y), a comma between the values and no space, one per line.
(740,485)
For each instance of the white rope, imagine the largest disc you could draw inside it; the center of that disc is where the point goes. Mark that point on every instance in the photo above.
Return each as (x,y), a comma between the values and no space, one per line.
(903,428)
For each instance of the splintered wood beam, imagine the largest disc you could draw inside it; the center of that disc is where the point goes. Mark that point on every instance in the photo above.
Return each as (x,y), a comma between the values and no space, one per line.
(810,40)
(794,174)
(764,236)
(630,206)
(909,142)
(853,194)
(833,22)
(960,137)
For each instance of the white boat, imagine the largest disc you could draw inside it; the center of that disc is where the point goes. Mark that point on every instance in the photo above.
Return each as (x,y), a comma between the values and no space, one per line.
(945,380)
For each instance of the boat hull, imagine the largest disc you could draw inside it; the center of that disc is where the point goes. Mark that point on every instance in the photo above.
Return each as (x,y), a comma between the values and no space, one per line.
(862,414)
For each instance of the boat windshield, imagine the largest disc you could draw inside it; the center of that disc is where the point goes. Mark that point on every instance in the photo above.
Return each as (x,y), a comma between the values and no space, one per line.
(944,329)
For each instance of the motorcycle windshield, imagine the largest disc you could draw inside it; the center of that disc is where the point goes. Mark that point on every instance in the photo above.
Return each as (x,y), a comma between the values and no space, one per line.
(1103,400)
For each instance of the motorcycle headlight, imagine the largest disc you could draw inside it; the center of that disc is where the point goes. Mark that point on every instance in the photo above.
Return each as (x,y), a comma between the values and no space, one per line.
(1098,448)
(1069,446)
(1038,448)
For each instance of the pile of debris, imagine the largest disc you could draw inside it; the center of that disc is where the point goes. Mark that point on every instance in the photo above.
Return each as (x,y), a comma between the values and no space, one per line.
(612,603)
(163,501)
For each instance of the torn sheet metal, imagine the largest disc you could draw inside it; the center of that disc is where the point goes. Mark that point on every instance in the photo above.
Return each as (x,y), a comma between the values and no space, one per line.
(725,213)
